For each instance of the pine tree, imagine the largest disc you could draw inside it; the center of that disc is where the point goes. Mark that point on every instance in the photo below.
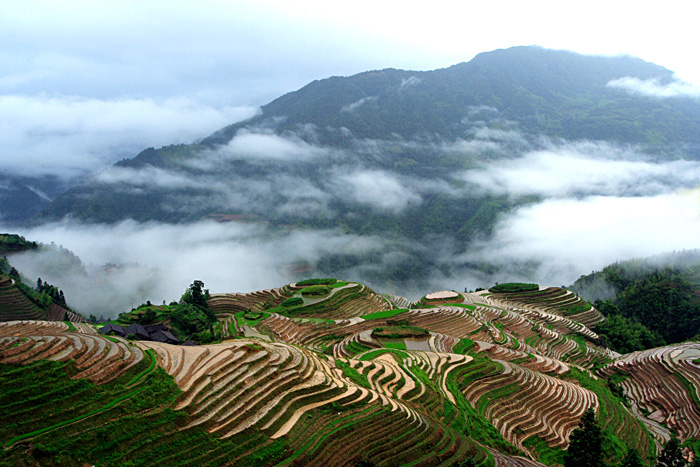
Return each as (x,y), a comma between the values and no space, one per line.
(671,456)
(468,462)
(632,459)
(586,444)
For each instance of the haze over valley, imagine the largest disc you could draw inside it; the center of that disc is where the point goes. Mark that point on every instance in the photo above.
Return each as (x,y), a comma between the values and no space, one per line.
(456,178)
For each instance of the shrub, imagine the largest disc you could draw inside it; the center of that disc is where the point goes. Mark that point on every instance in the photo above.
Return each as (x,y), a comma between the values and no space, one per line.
(316,290)
(294,301)
(511,287)
(399,332)
(328,281)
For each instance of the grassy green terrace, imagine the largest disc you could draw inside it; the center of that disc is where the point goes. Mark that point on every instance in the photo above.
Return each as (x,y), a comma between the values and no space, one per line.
(342,378)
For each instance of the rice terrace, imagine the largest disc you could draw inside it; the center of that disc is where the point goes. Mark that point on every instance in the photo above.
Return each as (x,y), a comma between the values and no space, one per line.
(328,372)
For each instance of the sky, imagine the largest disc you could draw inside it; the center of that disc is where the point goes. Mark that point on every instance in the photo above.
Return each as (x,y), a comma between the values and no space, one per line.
(83,84)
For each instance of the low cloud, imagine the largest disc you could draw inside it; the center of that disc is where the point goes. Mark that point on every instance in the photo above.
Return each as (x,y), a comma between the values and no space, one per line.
(148,176)
(70,136)
(376,188)
(262,146)
(411,81)
(158,261)
(579,169)
(355,105)
(556,241)
(654,88)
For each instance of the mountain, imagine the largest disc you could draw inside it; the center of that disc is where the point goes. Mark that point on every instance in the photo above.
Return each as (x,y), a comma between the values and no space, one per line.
(327,372)
(555,93)
(402,122)
(411,158)
(23,197)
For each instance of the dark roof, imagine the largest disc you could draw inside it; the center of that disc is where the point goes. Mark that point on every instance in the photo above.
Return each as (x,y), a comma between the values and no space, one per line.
(138,330)
(113,329)
(165,336)
(189,343)
(156,327)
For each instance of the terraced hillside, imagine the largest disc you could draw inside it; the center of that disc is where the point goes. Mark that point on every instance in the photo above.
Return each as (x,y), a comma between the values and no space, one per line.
(307,379)
(15,304)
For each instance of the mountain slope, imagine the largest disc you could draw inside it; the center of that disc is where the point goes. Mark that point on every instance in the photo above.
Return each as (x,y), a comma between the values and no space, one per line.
(557,93)
(417,161)
(408,124)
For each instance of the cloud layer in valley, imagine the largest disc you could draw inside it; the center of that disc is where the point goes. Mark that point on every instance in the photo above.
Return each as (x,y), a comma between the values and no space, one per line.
(585,168)
(158,261)
(557,240)
(552,243)
(71,136)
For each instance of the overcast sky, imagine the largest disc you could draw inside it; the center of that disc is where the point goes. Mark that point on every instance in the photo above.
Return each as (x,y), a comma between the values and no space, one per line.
(227,53)
(85,83)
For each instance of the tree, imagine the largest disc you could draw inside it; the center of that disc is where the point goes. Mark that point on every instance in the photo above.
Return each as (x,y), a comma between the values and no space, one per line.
(671,456)
(196,294)
(585,444)
(632,459)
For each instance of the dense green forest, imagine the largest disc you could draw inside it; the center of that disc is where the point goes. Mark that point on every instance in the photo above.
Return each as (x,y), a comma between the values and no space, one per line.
(649,302)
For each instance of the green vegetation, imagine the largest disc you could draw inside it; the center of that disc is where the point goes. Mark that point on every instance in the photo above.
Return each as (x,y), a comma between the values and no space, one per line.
(131,421)
(354,375)
(294,301)
(327,307)
(249,319)
(328,281)
(400,345)
(191,319)
(659,299)
(513,287)
(151,354)
(546,454)
(621,429)
(316,290)
(13,243)
(196,295)
(400,332)
(385,314)
(470,422)
(575,309)
(671,455)
(625,335)
(61,421)
(463,346)
(586,444)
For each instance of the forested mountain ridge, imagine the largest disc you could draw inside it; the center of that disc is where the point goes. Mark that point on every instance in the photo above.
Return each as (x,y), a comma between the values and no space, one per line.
(556,93)
(409,117)
(412,159)
(660,293)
